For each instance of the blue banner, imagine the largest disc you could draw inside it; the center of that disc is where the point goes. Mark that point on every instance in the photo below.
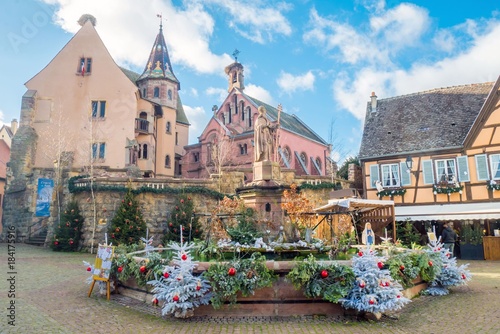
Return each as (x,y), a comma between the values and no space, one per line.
(44,197)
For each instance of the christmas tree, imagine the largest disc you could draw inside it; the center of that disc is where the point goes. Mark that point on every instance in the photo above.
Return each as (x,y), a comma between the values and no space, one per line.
(450,274)
(178,289)
(375,290)
(127,225)
(67,233)
(183,218)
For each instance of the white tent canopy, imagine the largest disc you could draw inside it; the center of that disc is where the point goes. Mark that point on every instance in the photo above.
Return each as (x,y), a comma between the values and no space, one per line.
(354,203)
(463,211)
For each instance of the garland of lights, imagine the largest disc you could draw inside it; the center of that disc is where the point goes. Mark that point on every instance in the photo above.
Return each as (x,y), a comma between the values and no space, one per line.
(391,192)
(493,185)
(438,189)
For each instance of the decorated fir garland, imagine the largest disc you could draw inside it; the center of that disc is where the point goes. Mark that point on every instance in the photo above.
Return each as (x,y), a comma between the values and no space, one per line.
(447,189)
(493,185)
(74,188)
(391,192)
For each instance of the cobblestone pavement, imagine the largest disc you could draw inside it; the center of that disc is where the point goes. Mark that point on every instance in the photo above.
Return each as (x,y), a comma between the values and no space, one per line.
(51,297)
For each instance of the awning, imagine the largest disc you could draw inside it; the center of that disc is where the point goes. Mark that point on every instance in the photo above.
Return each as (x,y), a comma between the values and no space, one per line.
(462,211)
(355,204)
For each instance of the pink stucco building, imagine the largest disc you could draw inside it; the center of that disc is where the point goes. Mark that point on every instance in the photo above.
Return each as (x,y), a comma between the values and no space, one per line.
(228,139)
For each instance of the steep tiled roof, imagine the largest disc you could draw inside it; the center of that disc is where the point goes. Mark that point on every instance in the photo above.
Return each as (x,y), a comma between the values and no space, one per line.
(430,120)
(288,122)
(133,76)
(181,115)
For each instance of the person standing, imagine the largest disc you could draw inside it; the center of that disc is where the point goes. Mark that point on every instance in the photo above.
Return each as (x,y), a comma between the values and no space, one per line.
(448,237)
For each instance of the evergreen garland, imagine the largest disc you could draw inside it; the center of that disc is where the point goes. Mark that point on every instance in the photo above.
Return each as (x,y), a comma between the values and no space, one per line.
(329,282)
(391,192)
(128,225)
(241,275)
(73,188)
(324,185)
(67,234)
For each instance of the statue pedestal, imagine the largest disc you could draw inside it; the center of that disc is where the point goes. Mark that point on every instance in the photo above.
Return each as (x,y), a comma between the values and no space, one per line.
(266,171)
(264,194)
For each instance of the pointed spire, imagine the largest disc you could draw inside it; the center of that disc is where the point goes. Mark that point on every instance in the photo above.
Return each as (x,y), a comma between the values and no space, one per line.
(158,65)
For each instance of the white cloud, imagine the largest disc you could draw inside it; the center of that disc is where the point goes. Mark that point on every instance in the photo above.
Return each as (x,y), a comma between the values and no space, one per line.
(193,91)
(260,94)
(403,25)
(372,54)
(219,93)
(329,35)
(478,64)
(445,40)
(290,83)
(254,21)
(198,119)
(138,30)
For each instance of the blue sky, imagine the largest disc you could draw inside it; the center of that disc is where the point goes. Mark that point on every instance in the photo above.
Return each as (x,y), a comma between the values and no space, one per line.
(319,59)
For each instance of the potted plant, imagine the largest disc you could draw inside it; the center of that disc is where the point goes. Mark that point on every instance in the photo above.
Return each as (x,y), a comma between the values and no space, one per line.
(471,242)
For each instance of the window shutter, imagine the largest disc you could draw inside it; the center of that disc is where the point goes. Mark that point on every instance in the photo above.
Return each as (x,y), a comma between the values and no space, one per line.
(405,174)
(463,169)
(482,167)
(427,172)
(374,177)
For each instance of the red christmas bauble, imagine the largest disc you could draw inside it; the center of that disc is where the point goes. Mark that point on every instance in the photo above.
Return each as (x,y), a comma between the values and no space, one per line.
(371,302)
(324,274)
(155,301)
(401,267)
(175,298)
(361,285)
(198,288)
(184,257)
(387,284)
(89,269)
(170,224)
(429,263)
(142,269)
(56,243)
(166,275)
(231,271)
(71,242)
(360,253)
(380,265)
(463,276)
(398,296)
(120,269)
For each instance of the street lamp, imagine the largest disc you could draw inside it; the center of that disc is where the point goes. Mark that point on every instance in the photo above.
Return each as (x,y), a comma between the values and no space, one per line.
(409,163)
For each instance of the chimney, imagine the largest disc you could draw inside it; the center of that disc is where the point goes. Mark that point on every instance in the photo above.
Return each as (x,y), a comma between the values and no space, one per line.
(374,102)
(13,126)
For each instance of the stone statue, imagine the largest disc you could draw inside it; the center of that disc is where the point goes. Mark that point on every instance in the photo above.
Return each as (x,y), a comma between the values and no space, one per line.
(264,136)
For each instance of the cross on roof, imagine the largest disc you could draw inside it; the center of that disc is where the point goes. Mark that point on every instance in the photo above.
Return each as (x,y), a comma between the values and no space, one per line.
(235,54)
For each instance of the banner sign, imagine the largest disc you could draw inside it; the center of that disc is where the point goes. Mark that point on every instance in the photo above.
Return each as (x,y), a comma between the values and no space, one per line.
(44,197)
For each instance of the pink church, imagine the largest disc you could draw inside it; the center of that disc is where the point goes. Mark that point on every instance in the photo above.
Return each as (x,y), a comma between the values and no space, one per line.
(227,142)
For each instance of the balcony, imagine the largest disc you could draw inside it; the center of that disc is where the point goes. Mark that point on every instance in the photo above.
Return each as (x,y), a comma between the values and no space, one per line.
(141,125)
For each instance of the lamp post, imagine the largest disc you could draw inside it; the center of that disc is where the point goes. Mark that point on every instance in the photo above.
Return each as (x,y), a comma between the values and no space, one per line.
(409,163)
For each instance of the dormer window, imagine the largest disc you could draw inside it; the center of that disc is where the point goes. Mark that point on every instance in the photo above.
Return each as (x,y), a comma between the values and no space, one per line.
(84,66)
